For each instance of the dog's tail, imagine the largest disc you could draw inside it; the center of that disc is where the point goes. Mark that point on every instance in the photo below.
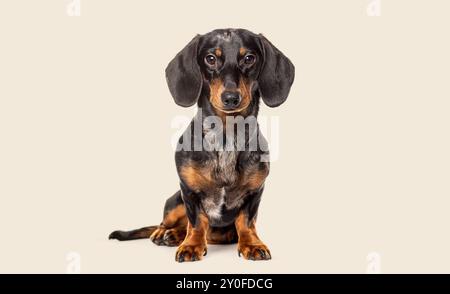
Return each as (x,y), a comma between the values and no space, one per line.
(142,233)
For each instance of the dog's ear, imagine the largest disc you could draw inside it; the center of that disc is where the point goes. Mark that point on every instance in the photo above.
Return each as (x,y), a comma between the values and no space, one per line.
(183,75)
(276,75)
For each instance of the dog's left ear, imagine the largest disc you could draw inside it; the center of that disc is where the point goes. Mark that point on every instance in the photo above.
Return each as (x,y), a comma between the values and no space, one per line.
(276,75)
(183,75)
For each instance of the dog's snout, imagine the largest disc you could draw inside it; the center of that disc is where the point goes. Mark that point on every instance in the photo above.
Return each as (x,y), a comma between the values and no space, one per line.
(231,99)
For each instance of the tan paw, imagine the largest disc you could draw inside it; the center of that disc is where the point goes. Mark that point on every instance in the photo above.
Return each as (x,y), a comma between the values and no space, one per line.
(157,236)
(254,251)
(190,252)
(174,237)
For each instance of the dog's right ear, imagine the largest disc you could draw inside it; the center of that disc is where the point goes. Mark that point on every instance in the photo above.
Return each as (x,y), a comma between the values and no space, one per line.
(183,75)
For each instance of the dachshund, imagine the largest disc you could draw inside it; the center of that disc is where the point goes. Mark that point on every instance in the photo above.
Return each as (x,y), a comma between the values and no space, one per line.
(225,72)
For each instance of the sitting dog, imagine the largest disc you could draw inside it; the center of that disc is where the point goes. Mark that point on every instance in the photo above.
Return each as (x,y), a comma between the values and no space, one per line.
(225,72)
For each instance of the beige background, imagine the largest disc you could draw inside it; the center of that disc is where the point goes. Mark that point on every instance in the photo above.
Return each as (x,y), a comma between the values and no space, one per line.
(85,130)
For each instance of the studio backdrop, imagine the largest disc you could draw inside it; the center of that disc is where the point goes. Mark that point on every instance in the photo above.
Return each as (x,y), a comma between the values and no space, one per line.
(359,179)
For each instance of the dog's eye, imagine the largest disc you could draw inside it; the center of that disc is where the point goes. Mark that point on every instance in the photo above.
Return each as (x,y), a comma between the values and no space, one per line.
(249,59)
(210,59)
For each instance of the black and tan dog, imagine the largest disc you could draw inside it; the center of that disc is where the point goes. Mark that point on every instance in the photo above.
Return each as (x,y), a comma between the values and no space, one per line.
(225,72)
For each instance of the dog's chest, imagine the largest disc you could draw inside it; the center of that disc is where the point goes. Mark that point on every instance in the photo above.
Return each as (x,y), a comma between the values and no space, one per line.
(224,169)
(228,182)
(225,195)
(221,206)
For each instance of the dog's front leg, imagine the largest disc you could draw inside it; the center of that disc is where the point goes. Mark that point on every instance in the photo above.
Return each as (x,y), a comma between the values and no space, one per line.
(193,247)
(249,244)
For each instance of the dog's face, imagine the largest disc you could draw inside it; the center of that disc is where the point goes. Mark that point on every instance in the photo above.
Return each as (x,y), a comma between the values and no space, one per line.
(233,66)
(230,62)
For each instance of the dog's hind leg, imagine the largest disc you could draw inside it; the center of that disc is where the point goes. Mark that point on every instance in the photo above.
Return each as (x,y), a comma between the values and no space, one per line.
(170,232)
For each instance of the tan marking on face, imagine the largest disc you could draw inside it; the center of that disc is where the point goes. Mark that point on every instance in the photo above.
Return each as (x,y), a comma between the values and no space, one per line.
(242,51)
(245,88)
(218,52)
(216,90)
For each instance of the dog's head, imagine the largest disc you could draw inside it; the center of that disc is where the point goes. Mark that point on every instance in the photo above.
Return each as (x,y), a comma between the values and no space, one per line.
(231,67)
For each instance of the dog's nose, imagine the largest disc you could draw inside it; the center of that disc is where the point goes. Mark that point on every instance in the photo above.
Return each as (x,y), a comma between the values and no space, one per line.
(231,100)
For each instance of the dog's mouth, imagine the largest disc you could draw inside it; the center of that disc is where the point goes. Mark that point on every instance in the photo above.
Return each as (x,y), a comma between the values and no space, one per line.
(216,98)
(229,111)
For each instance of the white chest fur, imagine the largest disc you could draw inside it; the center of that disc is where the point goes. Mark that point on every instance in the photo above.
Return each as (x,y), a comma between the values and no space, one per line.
(213,205)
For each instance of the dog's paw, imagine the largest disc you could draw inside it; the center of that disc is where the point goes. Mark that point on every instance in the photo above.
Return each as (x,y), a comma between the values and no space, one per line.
(157,236)
(190,252)
(254,251)
(174,237)
(168,237)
